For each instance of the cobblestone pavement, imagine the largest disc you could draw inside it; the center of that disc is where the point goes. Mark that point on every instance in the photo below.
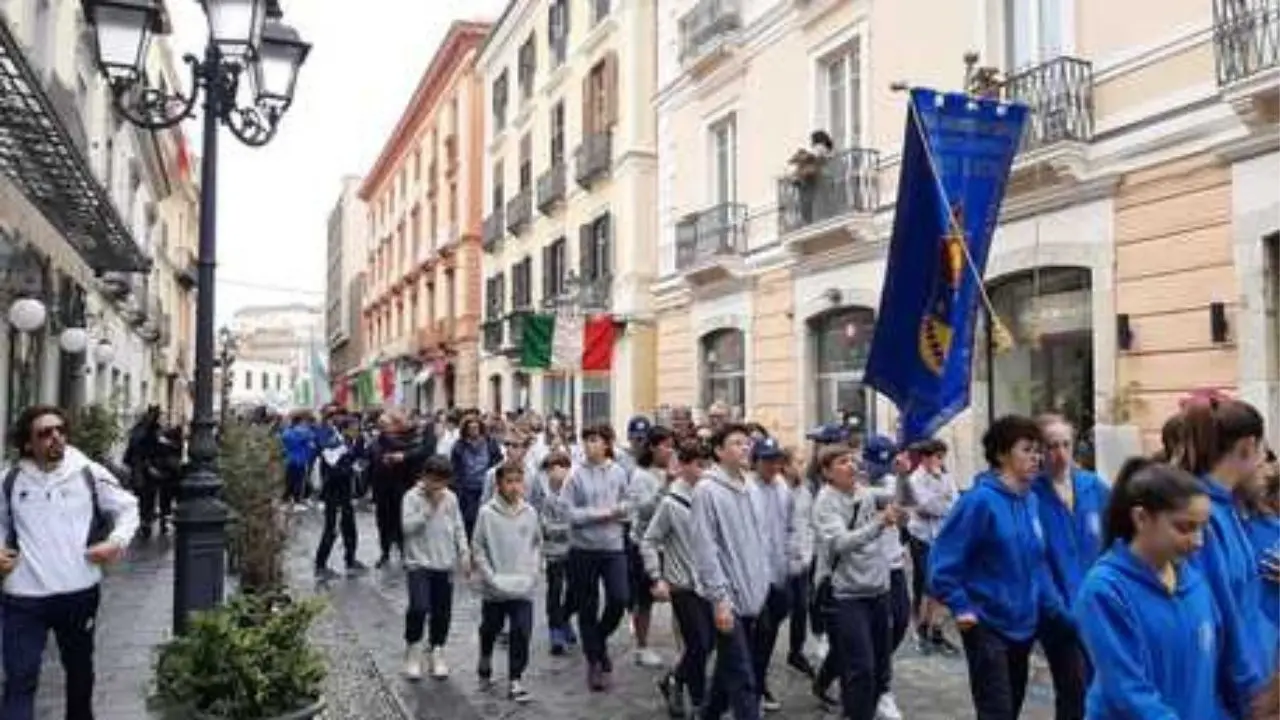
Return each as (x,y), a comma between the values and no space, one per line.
(371,607)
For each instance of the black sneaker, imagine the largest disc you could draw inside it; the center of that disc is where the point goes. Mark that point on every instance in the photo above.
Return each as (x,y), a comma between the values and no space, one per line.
(801,664)
(673,696)
(484,670)
(382,561)
(325,574)
(942,645)
(820,693)
(355,567)
(768,702)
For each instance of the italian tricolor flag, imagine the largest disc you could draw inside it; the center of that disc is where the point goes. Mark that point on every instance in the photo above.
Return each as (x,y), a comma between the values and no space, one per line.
(568,342)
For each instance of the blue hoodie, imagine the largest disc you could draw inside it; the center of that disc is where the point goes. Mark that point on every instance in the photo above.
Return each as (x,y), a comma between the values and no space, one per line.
(1228,563)
(1264,534)
(1073,536)
(299,445)
(1156,653)
(989,560)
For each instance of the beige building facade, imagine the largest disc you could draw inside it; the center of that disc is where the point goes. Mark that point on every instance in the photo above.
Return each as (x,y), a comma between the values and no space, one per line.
(347,246)
(1135,259)
(570,186)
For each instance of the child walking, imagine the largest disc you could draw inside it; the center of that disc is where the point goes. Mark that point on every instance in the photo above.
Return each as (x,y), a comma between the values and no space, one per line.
(506,549)
(554,513)
(435,546)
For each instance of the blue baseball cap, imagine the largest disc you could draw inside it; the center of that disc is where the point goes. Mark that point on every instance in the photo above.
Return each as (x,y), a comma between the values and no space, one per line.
(829,434)
(766,449)
(639,426)
(878,452)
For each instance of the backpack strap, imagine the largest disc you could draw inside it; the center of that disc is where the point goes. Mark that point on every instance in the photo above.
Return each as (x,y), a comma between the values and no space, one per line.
(680,500)
(9,479)
(87,473)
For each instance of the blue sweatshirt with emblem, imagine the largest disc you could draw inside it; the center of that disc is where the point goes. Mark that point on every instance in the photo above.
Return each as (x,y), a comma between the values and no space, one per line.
(1156,653)
(1264,533)
(989,560)
(1073,535)
(1230,566)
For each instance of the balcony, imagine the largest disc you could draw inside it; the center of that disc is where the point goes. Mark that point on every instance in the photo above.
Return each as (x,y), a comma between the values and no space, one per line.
(710,244)
(708,32)
(1059,94)
(551,188)
(67,108)
(593,158)
(520,211)
(491,331)
(834,207)
(493,231)
(1246,42)
(595,295)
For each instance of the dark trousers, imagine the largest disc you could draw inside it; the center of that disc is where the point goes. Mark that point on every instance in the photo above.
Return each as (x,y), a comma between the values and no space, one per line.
(698,631)
(517,615)
(295,482)
(734,688)
(430,594)
(559,593)
(469,505)
(899,607)
(593,568)
(27,621)
(155,491)
(919,571)
(798,625)
(1068,667)
(335,508)
(998,669)
(387,502)
(861,653)
(768,623)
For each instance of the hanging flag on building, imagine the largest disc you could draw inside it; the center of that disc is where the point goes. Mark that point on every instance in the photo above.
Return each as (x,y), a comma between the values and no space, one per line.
(956,157)
(319,377)
(386,382)
(366,389)
(565,341)
(183,159)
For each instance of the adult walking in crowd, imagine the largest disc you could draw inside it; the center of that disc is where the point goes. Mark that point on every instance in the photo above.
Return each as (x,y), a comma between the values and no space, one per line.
(62,517)
(395,458)
(473,454)
(343,448)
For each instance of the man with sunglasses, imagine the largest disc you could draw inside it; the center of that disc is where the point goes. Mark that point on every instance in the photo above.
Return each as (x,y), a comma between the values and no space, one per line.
(62,517)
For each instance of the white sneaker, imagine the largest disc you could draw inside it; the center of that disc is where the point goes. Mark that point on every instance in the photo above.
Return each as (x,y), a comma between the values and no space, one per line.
(435,661)
(647,658)
(413,663)
(518,693)
(820,649)
(887,708)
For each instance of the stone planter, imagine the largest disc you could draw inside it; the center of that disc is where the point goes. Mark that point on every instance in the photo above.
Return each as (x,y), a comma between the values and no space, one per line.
(307,713)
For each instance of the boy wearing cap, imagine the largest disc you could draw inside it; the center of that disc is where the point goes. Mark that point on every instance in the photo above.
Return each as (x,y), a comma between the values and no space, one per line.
(769,460)
(886,467)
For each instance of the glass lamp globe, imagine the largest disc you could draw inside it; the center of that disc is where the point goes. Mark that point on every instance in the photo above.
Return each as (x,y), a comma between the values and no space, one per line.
(104,353)
(73,340)
(27,314)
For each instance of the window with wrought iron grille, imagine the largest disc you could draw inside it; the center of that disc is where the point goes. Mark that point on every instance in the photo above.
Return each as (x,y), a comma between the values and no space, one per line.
(597,400)
(724,370)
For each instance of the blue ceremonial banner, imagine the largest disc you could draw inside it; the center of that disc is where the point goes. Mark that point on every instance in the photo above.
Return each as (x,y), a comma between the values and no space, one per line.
(956,156)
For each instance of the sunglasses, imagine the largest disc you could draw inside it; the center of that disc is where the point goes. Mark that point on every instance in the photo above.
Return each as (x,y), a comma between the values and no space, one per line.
(45,433)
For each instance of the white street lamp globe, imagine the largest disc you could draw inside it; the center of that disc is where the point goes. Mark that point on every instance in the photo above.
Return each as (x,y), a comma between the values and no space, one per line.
(104,353)
(73,340)
(27,314)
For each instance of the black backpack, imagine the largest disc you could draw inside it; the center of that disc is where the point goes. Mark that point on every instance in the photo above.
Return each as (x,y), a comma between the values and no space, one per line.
(100,526)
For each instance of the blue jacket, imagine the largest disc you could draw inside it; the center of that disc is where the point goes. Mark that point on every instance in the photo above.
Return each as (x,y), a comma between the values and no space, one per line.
(989,560)
(1264,534)
(1156,655)
(299,445)
(1073,536)
(1229,564)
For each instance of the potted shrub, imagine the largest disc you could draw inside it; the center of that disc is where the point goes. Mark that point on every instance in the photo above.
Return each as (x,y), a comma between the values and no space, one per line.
(252,474)
(95,431)
(247,660)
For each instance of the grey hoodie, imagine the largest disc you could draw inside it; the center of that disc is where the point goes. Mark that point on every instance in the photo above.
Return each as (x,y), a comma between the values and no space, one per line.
(435,537)
(556,527)
(644,492)
(730,542)
(800,543)
(667,543)
(777,524)
(597,508)
(852,537)
(505,546)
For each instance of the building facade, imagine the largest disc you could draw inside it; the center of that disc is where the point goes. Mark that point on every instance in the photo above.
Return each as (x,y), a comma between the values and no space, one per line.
(569,190)
(422,265)
(84,203)
(1135,258)
(346,248)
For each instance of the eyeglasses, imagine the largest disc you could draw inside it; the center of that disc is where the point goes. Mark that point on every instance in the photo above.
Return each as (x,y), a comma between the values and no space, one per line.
(47,432)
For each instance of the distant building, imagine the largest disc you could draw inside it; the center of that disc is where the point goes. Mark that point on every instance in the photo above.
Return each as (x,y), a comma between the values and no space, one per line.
(347,243)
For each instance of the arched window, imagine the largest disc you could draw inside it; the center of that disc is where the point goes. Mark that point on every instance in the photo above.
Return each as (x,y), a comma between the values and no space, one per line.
(724,370)
(1049,313)
(495,393)
(520,385)
(841,340)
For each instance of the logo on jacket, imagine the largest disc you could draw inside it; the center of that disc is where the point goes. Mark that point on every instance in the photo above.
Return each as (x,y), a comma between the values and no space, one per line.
(1095,524)
(1206,637)
(936,330)
(1035,528)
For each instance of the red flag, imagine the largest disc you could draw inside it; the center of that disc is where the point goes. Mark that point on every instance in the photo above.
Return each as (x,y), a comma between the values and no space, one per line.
(598,335)
(387,379)
(183,160)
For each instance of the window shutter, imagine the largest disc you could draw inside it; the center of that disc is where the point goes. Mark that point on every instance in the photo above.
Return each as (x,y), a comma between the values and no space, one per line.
(610,90)
(588,121)
(546,271)
(586,258)
(606,245)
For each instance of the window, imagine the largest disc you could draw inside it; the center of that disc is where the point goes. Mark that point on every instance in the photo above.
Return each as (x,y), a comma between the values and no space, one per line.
(599,96)
(599,10)
(449,293)
(499,196)
(841,342)
(557,395)
(495,288)
(527,70)
(500,101)
(840,94)
(724,161)
(526,162)
(595,252)
(554,268)
(248,381)
(597,403)
(1271,276)
(415,231)
(433,218)
(277,382)
(558,31)
(266,381)
(557,133)
(724,370)
(1033,32)
(417,164)
(495,393)
(522,285)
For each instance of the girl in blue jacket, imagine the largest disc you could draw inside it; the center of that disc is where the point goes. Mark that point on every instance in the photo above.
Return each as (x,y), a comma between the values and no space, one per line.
(1261,501)
(1148,618)
(988,567)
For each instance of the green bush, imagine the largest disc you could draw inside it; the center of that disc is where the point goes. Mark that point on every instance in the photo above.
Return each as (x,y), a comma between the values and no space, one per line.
(253,476)
(247,660)
(95,430)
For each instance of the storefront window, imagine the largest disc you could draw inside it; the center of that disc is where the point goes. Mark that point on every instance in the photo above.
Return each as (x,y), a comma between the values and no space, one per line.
(841,341)
(1049,313)
(724,370)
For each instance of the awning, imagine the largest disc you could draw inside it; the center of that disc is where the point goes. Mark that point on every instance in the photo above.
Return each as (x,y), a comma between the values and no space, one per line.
(423,376)
(39,152)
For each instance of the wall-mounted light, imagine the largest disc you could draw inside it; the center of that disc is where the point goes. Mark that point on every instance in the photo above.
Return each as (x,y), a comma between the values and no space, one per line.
(1219,329)
(1124,332)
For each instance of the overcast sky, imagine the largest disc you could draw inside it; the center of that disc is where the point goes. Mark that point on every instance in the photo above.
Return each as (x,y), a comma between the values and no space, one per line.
(273,204)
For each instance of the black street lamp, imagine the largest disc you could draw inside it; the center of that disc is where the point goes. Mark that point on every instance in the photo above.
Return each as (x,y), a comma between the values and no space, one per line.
(247,42)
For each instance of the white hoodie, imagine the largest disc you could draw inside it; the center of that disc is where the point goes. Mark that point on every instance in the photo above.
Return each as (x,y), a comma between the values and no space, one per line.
(53,511)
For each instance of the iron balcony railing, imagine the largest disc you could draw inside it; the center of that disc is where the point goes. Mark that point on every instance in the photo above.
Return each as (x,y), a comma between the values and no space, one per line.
(491,331)
(593,157)
(707,25)
(493,230)
(1246,38)
(595,295)
(67,107)
(718,231)
(520,211)
(551,187)
(847,183)
(1059,94)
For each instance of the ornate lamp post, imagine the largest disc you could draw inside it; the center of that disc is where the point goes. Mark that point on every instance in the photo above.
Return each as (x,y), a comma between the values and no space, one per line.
(247,44)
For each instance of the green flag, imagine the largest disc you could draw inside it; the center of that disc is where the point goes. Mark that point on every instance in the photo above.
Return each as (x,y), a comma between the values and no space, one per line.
(365,389)
(535,347)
